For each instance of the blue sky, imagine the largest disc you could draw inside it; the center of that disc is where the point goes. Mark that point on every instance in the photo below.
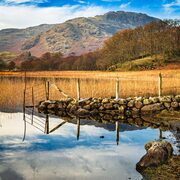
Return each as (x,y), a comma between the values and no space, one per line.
(24,13)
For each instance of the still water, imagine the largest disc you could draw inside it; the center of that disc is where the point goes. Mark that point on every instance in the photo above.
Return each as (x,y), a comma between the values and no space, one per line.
(89,151)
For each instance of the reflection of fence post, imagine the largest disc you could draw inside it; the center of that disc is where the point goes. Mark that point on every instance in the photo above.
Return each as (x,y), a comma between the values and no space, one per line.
(78,128)
(117,132)
(47,124)
(78,89)
(160,85)
(33,104)
(117,88)
(160,134)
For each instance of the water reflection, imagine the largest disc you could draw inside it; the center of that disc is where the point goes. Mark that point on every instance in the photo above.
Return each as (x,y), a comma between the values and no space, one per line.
(53,152)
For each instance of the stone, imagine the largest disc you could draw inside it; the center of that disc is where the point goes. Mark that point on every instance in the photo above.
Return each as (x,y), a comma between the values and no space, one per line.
(174,104)
(139,121)
(138,104)
(94,112)
(60,105)
(107,117)
(152,108)
(108,106)
(87,107)
(177,97)
(158,152)
(82,112)
(128,113)
(130,103)
(116,106)
(135,111)
(73,108)
(154,99)
(106,100)
(147,101)
(121,109)
(139,99)
(167,104)
(101,108)
(51,106)
(165,99)
(122,102)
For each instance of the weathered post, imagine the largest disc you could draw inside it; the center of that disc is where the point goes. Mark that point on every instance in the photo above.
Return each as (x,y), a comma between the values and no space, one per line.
(47,90)
(78,89)
(117,132)
(160,85)
(117,89)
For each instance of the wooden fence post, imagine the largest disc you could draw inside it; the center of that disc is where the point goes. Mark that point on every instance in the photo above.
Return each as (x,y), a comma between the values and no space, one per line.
(117,89)
(160,85)
(78,89)
(47,90)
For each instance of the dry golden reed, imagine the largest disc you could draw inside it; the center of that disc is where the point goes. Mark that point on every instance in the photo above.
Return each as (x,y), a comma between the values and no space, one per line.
(93,84)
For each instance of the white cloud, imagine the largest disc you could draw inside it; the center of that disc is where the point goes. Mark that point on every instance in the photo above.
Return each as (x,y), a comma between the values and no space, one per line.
(25,16)
(170,7)
(24,1)
(124,5)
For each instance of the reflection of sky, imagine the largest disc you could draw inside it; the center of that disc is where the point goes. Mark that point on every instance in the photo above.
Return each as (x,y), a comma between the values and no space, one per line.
(60,156)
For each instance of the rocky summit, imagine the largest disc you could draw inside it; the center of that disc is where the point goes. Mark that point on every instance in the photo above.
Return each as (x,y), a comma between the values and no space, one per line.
(73,37)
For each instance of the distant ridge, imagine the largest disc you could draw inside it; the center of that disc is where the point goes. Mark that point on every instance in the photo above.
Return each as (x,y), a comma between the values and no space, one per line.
(73,37)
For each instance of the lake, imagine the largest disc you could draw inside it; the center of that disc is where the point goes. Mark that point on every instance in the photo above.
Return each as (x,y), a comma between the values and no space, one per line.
(59,155)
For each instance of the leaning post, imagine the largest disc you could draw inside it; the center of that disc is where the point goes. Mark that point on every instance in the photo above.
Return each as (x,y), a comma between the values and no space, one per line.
(160,85)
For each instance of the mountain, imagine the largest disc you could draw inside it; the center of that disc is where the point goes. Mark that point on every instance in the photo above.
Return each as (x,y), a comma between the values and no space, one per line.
(73,37)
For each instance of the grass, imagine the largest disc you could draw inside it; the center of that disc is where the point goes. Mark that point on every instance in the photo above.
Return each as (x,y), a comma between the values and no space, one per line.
(93,84)
(148,63)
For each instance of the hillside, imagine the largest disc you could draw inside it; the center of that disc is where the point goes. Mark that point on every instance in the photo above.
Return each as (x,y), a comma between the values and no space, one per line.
(73,37)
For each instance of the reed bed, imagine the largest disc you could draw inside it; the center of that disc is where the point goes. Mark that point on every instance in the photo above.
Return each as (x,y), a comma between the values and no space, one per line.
(93,84)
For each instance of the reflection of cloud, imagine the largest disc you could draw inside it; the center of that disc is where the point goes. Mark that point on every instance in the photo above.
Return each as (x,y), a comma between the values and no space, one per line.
(60,156)
(10,174)
(79,163)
